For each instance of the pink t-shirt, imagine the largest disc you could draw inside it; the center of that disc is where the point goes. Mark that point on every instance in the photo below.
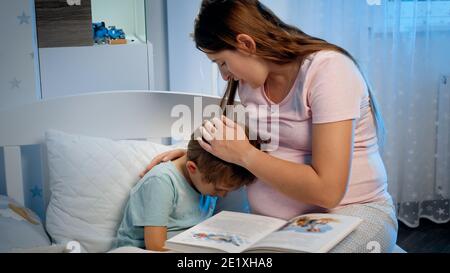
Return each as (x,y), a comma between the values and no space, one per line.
(328,88)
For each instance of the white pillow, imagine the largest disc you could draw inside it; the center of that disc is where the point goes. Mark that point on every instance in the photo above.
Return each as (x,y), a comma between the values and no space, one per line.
(90,180)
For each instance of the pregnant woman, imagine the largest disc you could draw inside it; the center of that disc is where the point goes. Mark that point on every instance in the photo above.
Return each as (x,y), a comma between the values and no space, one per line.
(329,126)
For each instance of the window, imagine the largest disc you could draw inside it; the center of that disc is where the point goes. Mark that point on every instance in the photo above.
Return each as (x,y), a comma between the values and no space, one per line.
(418,15)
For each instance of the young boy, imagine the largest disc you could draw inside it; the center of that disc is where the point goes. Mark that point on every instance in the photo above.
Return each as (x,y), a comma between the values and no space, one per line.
(177,195)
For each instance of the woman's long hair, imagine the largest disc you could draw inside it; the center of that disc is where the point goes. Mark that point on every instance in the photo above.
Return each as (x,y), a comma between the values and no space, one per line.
(220,21)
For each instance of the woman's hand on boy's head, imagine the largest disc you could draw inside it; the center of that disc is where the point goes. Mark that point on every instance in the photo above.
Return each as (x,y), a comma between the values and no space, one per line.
(164,157)
(225,139)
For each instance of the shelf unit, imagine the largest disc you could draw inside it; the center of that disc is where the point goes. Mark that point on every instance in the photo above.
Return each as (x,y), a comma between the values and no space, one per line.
(69,70)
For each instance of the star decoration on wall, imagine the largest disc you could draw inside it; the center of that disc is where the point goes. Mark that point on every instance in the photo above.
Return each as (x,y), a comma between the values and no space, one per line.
(15,83)
(24,19)
(441,211)
(36,192)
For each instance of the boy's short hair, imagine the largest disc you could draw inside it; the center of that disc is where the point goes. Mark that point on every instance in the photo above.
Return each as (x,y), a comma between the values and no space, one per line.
(215,169)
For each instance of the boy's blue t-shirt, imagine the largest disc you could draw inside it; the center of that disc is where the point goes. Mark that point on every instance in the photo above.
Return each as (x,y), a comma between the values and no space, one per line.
(163,198)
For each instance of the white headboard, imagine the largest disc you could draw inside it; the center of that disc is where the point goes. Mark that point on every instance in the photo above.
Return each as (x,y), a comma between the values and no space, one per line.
(116,115)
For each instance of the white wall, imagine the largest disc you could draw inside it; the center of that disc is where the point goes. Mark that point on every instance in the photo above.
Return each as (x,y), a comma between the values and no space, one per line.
(18,67)
(75,70)
(156,21)
(190,70)
(19,80)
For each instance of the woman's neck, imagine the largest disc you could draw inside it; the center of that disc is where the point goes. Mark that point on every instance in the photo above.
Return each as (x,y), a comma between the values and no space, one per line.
(281,79)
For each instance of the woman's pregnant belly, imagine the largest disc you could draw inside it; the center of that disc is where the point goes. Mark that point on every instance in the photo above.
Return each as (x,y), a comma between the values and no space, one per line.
(265,200)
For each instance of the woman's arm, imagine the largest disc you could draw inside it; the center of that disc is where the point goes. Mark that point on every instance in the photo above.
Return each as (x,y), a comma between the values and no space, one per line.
(155,238)
(323,183)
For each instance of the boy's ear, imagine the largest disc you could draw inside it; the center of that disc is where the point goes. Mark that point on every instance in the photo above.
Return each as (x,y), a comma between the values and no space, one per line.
(191,167)
(246,43)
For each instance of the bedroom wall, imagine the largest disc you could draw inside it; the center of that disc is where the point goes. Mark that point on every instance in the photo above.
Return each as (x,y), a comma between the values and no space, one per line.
(189,69)
(156,16)
(20,76)
(20,83)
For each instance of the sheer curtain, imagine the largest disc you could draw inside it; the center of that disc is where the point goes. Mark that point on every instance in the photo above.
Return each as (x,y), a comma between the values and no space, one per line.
(403,46)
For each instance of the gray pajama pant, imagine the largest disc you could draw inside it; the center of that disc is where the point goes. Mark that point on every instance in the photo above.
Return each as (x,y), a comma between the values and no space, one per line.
(378,231)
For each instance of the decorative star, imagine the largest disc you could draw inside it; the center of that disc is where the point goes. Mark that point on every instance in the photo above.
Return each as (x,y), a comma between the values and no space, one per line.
(15,83)
(441,211)
(36,192)
(24,19)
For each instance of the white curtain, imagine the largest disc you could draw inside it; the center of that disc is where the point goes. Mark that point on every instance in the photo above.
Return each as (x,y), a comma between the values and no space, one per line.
(403,47)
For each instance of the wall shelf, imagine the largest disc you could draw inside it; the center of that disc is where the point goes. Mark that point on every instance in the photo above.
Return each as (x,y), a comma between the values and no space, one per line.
(67,69)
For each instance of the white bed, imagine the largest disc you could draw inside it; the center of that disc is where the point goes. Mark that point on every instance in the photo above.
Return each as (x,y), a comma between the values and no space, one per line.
(119,115)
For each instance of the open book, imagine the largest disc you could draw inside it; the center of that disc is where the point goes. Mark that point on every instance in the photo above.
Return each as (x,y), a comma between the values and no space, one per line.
(235,232)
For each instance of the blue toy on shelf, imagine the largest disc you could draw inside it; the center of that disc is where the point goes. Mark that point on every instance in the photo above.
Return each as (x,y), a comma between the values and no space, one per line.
(103,35)
(115,33)
(100,33)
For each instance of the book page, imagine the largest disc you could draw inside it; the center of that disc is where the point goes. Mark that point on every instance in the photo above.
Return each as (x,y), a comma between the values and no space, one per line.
(229,231)
(310,233)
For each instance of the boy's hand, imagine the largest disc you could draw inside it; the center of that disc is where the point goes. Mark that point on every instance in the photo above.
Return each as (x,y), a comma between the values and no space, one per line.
(164,157)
